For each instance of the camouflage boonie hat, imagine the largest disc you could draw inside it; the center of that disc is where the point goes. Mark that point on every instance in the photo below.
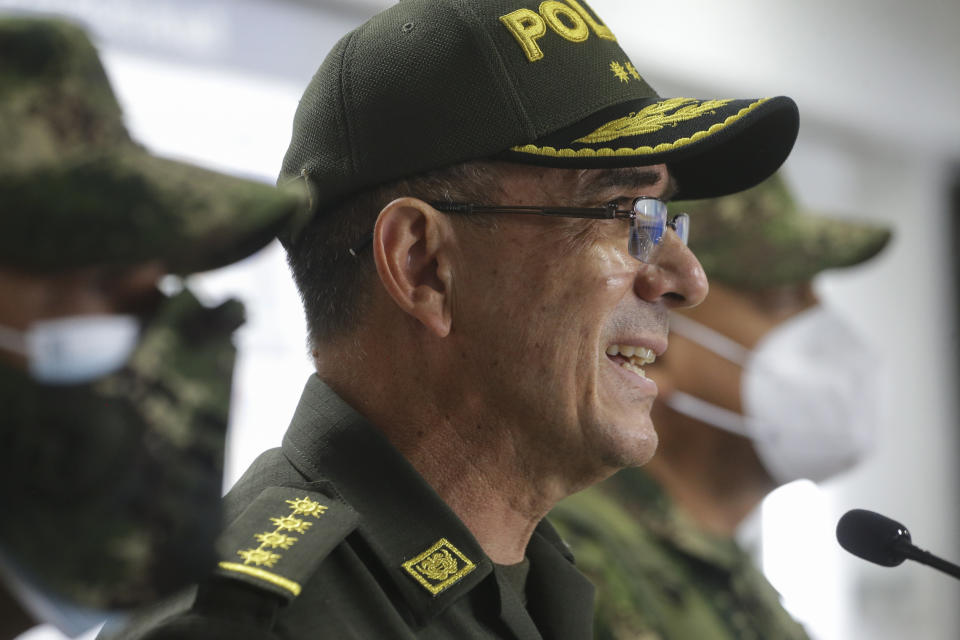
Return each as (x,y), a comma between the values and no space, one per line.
(77,191)
(760,238)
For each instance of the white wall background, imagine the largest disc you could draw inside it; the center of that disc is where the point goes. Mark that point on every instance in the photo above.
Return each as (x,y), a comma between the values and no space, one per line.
(878,84)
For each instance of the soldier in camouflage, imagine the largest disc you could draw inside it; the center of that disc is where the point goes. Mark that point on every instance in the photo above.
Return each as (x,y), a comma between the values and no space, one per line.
(658,542)
(115,396)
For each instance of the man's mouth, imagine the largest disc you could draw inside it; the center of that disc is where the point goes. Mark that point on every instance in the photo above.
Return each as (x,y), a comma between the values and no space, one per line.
(631,358)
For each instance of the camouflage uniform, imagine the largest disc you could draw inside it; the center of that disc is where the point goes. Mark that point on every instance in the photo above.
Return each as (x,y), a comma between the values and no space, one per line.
(145,443)
(109,489)
(661,577)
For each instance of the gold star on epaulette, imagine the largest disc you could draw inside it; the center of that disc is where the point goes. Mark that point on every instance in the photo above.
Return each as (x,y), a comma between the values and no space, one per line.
(274,540)
(306,507)
(258,557)
(278,557)
(289,523)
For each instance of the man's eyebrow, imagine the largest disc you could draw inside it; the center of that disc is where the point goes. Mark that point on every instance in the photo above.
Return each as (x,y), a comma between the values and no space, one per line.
(597,184)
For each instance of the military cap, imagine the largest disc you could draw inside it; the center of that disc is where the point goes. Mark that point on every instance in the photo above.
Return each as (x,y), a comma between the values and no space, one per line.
(762,238)
(77,191)
(430,83)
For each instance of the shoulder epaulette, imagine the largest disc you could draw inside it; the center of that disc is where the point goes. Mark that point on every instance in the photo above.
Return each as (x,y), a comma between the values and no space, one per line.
(282,537)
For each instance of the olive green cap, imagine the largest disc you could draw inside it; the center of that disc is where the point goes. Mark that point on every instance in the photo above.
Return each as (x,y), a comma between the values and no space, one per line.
(430,83)
(761,238)
(77,191)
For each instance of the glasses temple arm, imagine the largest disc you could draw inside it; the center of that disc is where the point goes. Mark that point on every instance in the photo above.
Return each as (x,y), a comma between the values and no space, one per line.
(565,212)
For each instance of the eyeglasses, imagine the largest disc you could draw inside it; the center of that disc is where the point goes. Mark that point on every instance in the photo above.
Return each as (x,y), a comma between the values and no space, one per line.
(647,215)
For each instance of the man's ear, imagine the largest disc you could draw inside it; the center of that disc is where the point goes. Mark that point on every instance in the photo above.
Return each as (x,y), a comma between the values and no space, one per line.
(411,243)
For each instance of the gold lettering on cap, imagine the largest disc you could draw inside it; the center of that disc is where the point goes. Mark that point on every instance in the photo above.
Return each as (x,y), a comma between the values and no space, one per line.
(526,26)
(551,10)
(598,27)
(569,20)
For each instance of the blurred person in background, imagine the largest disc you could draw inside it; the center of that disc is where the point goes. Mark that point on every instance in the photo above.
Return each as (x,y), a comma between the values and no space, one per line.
(114,397)
(762,385)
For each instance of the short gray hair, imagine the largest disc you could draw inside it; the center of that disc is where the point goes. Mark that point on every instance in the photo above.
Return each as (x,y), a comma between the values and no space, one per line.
(335,284)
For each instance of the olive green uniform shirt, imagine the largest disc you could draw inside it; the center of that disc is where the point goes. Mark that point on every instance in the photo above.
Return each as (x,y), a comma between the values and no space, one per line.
(659,576)
(335,535)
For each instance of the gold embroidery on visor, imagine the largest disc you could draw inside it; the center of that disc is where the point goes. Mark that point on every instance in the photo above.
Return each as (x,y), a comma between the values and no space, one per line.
(658,115)
(647,120)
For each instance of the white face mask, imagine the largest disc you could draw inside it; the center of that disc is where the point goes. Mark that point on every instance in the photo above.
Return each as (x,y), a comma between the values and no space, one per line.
(809,394)
(41,604)
(74,349)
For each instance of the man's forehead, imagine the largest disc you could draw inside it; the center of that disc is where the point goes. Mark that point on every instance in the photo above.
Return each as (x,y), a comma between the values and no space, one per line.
(585,186)
(600,182)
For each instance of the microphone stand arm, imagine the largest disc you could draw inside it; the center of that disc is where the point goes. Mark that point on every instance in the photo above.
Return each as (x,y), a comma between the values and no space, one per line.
(925,557)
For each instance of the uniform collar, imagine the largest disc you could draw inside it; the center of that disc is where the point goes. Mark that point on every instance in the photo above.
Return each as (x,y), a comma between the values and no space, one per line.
(552,572)
(412,532)
(403,520)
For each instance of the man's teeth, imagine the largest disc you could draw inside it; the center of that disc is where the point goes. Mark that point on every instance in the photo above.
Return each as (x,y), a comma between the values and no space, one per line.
(629,366)
(636,357)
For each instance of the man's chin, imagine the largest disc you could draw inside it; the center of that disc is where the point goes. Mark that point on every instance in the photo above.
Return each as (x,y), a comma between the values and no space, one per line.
(630,444)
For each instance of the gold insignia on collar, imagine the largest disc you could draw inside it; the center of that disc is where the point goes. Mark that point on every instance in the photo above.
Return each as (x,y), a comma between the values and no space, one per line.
(439,567)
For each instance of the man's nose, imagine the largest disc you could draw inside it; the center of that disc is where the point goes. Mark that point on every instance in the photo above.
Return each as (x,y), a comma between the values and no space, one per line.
(674,275)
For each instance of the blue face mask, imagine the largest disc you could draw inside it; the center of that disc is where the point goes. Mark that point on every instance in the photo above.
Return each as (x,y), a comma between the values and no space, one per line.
(74,349)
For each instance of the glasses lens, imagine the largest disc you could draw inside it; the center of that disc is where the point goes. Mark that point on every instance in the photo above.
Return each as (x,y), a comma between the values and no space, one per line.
(647,227)
(681,224)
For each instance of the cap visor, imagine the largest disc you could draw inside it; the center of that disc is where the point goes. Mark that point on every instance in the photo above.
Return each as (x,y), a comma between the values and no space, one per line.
(713,147)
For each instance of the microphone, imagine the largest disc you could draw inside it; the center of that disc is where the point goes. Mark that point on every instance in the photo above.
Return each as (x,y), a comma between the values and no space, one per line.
(883,541)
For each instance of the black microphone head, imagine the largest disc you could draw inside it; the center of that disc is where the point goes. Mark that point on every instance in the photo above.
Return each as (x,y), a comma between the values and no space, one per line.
(872,536)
